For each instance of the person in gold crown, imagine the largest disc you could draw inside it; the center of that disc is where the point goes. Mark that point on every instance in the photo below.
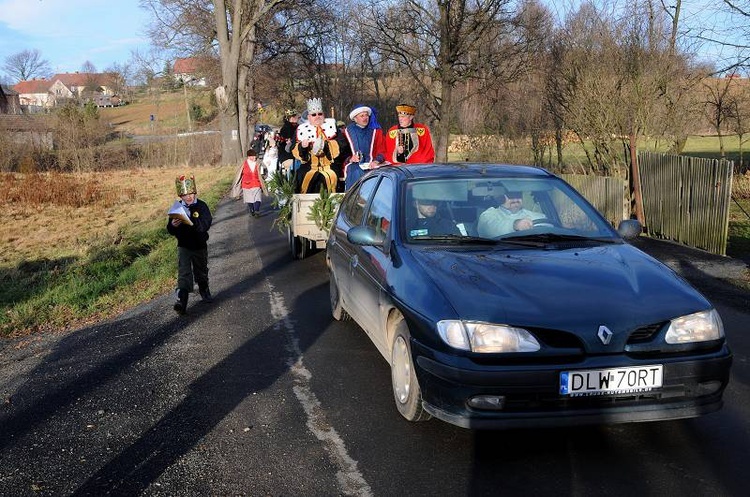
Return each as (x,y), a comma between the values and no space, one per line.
(408,142)
(192,247)
(316,149)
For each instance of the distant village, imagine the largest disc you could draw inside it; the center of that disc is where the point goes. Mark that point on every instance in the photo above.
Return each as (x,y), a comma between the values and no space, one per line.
(103,89)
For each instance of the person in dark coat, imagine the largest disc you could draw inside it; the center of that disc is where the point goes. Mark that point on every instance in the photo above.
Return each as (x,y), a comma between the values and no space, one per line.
(287,138)
(192,243)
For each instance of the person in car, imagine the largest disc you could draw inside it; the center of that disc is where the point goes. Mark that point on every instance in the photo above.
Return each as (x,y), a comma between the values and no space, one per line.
(427,221)
(508,217)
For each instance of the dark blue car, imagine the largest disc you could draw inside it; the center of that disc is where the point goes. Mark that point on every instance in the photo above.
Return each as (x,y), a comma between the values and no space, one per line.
(501,298)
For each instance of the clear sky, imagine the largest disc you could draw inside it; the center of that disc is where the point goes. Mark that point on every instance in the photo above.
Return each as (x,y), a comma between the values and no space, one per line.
(68,33)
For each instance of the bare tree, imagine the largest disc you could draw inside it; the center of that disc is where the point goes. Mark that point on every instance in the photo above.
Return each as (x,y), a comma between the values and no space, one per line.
(226,27)
(121,74)
(719,106)
(438,44)
(27,64)
(88,67)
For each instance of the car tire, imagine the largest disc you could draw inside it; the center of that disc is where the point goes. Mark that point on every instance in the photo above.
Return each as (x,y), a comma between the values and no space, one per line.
(337,310)
(406,391)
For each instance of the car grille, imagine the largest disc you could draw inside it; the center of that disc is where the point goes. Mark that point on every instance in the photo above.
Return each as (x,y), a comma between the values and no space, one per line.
(645,333)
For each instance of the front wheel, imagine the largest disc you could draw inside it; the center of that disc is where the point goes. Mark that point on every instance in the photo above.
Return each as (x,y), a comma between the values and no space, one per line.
(406,389)
(337,310)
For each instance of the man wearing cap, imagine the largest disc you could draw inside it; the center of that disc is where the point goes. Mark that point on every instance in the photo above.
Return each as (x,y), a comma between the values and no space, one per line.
(192,247)
(508,217)
(365,144)
(316,149)
(409,142)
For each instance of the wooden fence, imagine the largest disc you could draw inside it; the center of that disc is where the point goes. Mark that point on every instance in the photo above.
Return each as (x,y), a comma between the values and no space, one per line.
(609,195)
(686,199)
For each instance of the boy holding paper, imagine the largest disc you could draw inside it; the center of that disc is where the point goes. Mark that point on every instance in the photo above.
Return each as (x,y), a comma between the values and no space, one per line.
(192,236)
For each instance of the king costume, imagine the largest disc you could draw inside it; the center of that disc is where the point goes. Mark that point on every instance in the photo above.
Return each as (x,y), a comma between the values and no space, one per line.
(366,145)
(415,139)
(317,169)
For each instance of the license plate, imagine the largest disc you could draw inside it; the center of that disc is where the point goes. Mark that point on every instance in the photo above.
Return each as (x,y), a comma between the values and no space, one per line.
(611,381)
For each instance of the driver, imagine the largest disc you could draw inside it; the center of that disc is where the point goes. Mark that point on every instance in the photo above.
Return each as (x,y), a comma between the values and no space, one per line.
(508,217)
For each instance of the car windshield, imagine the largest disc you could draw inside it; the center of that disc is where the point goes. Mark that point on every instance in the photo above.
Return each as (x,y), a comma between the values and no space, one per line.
(524,211)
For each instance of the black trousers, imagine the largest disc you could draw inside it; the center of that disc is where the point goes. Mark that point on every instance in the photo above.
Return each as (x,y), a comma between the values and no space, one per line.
(192,264)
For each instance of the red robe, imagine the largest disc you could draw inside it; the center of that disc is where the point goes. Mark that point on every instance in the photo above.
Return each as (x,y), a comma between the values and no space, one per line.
(421,150)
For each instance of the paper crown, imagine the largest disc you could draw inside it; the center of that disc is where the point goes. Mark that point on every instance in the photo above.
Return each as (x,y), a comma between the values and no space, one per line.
(407,109)
(314,105)
(185,185)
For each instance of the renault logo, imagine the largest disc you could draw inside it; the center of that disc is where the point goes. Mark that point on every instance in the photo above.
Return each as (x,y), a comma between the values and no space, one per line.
(604,335)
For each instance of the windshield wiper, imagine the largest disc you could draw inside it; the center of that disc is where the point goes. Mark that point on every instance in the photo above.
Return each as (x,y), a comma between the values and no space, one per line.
(455,238)
(478,240)
(558,237)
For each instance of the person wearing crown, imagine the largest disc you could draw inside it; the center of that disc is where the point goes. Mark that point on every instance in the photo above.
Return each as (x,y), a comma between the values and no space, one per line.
(408,142)
(286,138)
(316,149)
(192,246)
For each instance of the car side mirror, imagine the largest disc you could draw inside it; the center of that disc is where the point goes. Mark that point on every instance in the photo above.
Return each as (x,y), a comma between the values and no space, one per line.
(629,228)
(363,235)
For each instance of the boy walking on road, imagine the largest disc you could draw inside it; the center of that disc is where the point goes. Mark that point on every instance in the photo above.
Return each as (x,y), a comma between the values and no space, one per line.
(192,247)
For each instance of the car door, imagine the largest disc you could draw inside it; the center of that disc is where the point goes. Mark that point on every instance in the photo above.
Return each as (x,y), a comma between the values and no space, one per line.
(342,253)
(371,264)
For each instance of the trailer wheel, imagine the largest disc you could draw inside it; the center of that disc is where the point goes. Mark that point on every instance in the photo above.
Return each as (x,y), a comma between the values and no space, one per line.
(294,244)
(305,249)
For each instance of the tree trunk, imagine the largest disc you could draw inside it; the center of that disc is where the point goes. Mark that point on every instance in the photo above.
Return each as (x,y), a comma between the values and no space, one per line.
(635,178)
(442,127)
(229,46)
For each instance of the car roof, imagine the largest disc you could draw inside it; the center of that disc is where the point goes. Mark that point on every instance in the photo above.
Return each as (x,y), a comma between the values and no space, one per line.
(468,169)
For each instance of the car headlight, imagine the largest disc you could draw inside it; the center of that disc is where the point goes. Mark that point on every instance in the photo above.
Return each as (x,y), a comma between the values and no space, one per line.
(698,327)
(485,337)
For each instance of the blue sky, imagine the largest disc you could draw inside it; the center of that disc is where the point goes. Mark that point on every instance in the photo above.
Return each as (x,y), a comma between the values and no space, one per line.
(68,33)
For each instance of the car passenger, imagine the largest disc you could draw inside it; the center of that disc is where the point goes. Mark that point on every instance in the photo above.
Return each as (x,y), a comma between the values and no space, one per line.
(427,222)
(508,217)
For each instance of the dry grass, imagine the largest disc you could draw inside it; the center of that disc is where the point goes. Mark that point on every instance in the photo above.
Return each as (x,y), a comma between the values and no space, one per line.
(54,216)
(168,108)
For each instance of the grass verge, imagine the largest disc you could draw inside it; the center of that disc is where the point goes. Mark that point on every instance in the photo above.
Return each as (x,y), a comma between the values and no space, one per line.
(114,274)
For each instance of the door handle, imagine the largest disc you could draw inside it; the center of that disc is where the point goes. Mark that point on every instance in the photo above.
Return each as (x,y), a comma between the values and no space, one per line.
(353,262)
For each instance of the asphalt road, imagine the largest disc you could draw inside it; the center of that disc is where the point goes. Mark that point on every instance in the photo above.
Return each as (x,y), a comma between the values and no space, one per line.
(261,393)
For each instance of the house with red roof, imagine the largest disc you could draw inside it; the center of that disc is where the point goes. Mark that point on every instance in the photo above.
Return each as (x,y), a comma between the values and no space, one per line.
(69,85)
(193,71)
(37,94)
(34,94)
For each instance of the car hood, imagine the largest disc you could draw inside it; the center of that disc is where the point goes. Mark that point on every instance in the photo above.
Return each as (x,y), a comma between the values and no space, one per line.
(617,286)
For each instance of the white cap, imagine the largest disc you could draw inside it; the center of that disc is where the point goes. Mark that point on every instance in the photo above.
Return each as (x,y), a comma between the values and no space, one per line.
(359,110)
